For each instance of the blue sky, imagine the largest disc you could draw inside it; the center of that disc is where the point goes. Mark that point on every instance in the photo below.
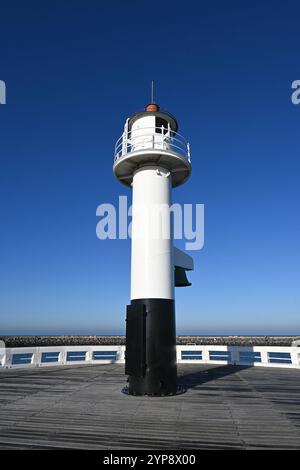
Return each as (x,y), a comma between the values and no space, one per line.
(74,71)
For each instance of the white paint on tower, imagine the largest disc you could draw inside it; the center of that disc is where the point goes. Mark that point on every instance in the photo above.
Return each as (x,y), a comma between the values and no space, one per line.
(152,267)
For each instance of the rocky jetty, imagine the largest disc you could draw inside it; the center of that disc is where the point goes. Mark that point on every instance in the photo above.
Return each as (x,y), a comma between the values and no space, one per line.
(24,341)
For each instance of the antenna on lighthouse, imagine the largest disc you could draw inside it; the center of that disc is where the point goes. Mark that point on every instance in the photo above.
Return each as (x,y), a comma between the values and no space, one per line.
(152,92)
(152,106)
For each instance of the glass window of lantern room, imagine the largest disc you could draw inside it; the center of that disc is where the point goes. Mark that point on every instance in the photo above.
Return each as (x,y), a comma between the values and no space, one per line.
(159,122)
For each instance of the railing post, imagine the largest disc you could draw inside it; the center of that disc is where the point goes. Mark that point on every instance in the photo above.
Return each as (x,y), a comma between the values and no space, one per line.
(2,353)
(121,354)
(205,354)
(188,152)
(8,358)
(178,354)
(63,357)
(123,144)
(89,355)
(235,355)
(295,356)
(124,138)
(36,357)
(264,356)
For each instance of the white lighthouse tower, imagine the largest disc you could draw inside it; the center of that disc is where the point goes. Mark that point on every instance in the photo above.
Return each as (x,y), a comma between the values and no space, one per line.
(152,157)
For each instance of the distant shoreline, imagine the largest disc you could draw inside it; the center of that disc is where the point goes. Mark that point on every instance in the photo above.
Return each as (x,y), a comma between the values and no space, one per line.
(109,340)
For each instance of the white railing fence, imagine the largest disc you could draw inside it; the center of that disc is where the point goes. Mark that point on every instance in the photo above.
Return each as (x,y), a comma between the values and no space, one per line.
(266,356)
(157,138)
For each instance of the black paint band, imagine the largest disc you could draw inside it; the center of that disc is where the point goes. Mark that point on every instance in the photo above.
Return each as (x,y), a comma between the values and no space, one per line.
(150,359)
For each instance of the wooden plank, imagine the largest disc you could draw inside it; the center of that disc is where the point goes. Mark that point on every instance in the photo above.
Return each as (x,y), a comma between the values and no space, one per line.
(225,407)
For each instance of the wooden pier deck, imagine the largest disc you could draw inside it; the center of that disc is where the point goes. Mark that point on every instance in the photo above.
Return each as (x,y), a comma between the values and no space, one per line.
(81,407)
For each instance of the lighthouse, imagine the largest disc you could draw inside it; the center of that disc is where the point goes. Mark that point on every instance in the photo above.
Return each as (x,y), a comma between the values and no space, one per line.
(152,157)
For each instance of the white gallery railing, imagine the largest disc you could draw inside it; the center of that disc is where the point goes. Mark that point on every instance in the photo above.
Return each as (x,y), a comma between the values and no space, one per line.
(152,138)
(266,356)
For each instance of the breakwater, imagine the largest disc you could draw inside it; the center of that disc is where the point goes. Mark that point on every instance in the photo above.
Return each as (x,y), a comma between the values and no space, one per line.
(35,341)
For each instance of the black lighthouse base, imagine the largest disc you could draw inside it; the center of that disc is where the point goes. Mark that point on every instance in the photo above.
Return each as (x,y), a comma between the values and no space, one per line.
(150,360)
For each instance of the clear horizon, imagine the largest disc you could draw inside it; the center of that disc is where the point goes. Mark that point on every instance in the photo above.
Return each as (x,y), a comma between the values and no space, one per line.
(123,334)
(208,335)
